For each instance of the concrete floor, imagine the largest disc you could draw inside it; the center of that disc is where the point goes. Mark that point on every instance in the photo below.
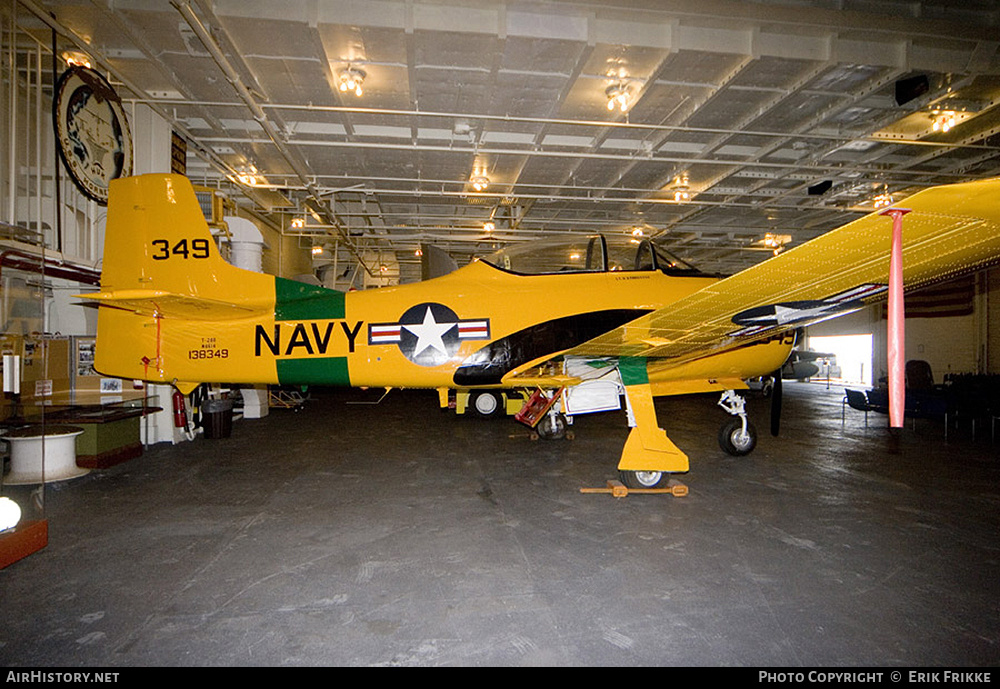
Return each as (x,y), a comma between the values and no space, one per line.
(351,534)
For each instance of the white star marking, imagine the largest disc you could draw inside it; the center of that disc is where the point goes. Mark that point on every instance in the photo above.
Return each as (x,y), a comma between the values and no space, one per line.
(783,314)
(429,333)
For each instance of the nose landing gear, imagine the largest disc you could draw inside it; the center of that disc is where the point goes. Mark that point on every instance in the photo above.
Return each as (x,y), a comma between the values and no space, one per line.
(738,436)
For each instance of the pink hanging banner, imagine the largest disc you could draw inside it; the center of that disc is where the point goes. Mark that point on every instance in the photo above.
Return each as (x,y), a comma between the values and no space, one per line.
(896,327)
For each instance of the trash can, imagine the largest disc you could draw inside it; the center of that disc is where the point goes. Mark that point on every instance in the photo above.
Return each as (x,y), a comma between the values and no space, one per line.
(217,418)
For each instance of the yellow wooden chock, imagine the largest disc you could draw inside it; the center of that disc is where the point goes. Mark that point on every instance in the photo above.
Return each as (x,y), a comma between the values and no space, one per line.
(617,489)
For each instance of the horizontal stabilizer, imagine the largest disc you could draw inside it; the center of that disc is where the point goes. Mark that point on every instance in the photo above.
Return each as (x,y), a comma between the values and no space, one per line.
(161,304)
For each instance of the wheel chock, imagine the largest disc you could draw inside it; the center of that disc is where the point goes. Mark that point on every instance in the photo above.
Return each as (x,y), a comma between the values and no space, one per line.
(617,489)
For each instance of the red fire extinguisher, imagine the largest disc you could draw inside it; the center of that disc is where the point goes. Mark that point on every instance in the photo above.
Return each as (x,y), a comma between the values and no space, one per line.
(180,415)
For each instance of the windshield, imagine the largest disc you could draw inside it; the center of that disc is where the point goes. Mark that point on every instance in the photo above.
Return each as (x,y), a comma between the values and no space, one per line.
(587,254)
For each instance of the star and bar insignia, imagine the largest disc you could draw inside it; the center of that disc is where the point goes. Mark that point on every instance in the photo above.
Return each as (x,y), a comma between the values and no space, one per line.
(787,314)
(429,334)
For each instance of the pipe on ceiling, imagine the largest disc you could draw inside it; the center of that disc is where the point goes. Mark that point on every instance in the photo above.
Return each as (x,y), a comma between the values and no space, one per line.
(262,119)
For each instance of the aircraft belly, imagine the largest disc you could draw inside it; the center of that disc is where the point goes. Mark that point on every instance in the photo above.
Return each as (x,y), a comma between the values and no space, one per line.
(724,371)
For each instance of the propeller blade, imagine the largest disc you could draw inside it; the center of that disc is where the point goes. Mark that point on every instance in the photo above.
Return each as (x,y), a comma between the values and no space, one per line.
(776,403)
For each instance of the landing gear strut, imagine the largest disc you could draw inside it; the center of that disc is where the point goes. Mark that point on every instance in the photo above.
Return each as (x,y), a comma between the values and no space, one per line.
(542,415)
(738,436)
(553,426)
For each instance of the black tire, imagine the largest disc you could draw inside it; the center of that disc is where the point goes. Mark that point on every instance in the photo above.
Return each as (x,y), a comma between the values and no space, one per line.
(731,438)
(552,427)
(644,479)
(487,404)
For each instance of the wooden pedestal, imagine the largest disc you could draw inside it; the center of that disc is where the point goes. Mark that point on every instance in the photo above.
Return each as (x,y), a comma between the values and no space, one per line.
(27,538)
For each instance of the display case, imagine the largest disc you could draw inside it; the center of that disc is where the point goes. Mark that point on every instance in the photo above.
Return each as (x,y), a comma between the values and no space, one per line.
(29,452)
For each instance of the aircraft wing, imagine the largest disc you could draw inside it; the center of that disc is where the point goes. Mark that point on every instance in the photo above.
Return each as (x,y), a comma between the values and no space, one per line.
(949,231)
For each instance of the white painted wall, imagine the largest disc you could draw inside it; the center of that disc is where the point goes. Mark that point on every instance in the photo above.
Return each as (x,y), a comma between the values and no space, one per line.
(151,140)
(959,344)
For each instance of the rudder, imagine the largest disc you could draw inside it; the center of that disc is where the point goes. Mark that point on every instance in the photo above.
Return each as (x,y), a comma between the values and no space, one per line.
(163,281)
(157,239)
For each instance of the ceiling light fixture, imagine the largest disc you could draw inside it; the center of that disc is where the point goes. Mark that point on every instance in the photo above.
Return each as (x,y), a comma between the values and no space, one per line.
(480,182)
(943,120)
(489,226)
(882,201)
(298,223)
(76,59)
(618,96)
(775,242)
(680,189)
(351,79)
(247,174)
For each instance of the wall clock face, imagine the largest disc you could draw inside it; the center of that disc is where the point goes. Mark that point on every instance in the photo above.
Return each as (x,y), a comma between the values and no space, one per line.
(91,131)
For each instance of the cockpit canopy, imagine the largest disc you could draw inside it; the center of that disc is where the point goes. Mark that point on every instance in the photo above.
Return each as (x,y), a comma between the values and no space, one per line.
(588,254)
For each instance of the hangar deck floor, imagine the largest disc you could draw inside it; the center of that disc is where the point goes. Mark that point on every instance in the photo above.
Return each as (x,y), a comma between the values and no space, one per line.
(350,534)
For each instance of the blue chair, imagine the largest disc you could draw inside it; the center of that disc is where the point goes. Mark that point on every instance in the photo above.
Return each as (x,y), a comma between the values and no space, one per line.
(855,399)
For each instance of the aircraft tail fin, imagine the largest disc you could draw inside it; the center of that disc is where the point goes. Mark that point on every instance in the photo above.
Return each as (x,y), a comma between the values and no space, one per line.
(435,262)
(163,272)
(157,239)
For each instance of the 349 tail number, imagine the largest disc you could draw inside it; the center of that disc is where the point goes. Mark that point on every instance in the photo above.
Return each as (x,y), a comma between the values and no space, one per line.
(197,248)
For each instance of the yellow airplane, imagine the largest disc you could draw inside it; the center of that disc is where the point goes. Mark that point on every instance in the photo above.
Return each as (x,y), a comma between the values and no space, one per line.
(641,322)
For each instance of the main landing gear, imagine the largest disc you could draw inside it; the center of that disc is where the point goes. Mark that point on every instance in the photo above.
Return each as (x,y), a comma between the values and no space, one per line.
(737,436)
(487,403)
(645,479)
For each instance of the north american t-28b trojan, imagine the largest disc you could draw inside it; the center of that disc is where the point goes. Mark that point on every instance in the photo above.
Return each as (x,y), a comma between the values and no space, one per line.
(174,311)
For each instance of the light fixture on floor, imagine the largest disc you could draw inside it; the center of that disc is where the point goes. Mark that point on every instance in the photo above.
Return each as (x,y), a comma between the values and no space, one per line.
(10,514)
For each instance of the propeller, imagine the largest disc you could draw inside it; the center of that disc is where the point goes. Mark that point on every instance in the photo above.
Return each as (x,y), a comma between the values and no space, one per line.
(776,403)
